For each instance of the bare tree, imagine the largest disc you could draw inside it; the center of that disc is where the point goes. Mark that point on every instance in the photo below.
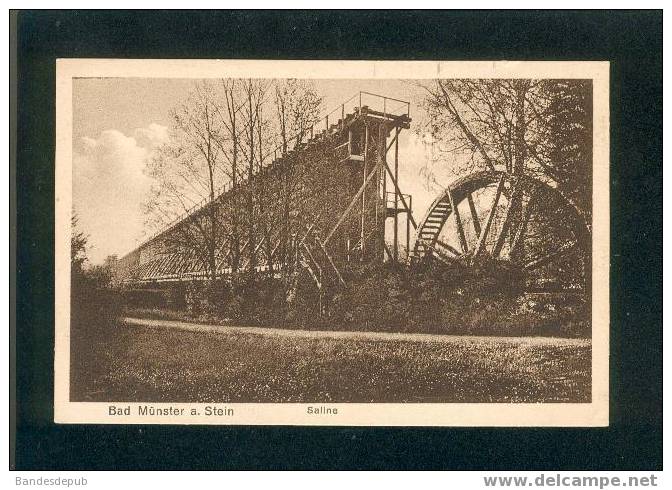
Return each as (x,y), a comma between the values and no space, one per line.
(230,142)
(276,114)
(538,127)
(254,94)
(225,133)
(297,108)
(188,172)
(541,128)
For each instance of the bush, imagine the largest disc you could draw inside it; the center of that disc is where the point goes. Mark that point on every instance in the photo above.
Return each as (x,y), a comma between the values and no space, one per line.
(94,304)
(94,310)
(243,298)
(483,297)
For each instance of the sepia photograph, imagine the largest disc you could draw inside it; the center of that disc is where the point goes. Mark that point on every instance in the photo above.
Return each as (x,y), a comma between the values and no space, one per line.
(332,243)
(409,245)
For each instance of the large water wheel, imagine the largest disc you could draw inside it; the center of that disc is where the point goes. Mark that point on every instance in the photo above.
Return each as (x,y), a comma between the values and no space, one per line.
(517,219)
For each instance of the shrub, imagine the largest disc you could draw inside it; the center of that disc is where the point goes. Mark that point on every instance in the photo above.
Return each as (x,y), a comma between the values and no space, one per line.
(94,310)
(483,297)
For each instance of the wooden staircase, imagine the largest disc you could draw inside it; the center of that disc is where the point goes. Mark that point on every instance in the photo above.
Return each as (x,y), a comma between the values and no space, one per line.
(428,233)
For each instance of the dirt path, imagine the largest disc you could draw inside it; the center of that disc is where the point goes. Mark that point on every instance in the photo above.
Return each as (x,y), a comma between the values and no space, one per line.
(350,335)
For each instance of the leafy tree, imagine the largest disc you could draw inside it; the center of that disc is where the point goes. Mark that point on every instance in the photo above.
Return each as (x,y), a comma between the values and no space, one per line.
(538,127)
(78,243)
(567,143)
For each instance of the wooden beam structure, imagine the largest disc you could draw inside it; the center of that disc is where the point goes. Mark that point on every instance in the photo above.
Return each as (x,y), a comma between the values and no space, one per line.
(308,182)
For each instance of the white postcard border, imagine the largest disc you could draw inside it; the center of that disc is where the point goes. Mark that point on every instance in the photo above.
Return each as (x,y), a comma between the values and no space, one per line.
(595,413)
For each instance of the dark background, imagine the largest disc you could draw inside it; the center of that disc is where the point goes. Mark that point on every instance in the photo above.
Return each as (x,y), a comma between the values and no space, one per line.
(630,40)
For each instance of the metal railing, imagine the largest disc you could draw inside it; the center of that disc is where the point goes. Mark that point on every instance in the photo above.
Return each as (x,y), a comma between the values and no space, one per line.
(390,200)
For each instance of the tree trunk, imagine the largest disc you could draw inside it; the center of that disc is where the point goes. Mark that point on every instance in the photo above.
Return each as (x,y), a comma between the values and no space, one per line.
(518,161)
(250,191)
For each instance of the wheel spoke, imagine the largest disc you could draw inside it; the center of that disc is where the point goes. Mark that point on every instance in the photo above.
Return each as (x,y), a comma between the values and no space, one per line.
(474,214)
(458,223)
(548,247)
(545,259)
(440,255)
(506,224)
(491,215)
(448,247)
(523,224)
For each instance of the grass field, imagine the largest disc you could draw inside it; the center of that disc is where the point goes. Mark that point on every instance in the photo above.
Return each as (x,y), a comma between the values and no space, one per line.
(154,365)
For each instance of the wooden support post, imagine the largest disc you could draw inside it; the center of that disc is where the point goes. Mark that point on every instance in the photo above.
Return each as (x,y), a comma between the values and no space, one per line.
(331,262)
(401,196)
(349,208)
(321,294)
(383,200)
(296,251)
(376,203)
(387,250)
(395,246)
(366,154)
(408,228)
(396,136)
(384,190)
(381,206)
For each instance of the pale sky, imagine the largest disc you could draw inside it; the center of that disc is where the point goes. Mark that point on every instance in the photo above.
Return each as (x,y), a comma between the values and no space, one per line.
(117,124)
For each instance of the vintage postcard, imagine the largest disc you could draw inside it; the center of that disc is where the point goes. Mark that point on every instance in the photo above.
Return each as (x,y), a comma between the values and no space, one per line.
(354,243)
